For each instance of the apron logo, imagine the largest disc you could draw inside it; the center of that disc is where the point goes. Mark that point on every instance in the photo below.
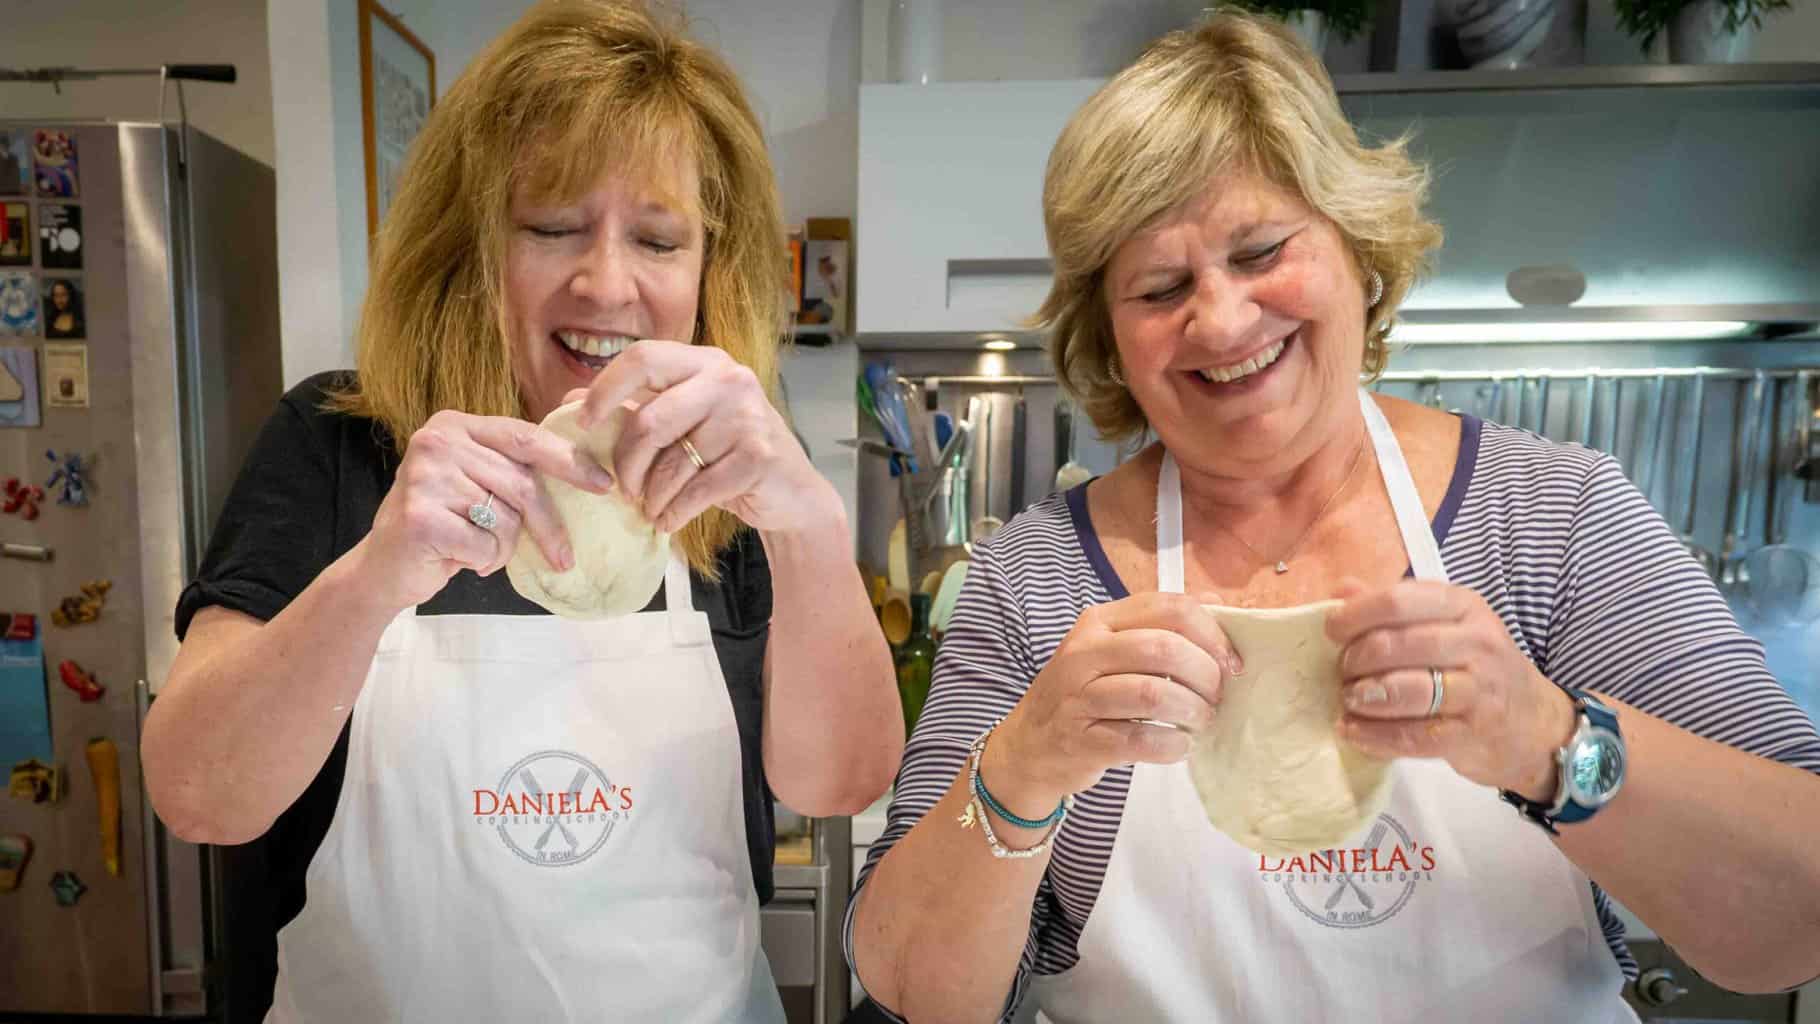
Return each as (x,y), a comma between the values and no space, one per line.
(1359,887)
(553,808)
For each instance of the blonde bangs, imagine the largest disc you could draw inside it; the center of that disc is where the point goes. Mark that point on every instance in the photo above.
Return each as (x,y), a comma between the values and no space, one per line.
(1236,93)
(575,90)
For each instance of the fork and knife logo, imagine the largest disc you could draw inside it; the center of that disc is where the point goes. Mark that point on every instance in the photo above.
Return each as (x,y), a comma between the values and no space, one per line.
(1360,898)
(575,820)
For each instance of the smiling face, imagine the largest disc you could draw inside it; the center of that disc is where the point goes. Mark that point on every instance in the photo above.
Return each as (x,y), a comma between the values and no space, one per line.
(587,277)
(60,296)
(1240,327)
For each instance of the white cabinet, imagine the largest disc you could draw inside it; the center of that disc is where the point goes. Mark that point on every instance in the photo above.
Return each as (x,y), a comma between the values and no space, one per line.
(950,233)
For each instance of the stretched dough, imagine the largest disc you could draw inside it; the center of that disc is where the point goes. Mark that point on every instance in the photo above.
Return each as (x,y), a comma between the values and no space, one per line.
(619,556)
(1271,772)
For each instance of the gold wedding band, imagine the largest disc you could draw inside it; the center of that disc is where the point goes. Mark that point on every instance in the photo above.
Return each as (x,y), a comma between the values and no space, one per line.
(694,456)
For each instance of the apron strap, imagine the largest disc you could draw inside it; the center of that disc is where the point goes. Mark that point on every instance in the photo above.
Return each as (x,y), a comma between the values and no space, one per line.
(1418,537)
(687,627)
(1171,577)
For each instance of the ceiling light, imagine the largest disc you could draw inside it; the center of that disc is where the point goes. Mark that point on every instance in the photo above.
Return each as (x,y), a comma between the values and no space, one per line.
(1000,345)
(1587,330)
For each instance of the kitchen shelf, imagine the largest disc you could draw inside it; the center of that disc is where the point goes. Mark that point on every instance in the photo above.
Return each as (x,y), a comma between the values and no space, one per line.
(1622,76)
(1649,89)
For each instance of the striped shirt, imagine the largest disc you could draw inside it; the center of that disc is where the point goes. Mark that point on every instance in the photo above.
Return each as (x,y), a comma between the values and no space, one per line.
(1591,583)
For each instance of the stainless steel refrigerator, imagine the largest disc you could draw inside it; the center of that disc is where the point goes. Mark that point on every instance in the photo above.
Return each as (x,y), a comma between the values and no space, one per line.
(175,237)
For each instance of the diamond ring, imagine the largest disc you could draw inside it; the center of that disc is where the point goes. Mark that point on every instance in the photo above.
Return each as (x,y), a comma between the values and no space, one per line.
(483,516)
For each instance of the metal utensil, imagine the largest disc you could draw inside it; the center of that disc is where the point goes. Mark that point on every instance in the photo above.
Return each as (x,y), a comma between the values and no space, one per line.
(1612,423)
(1431,393)
(1019,453)
(1586,410)
(1783,580)
(1649,439)
(1708,564)
(1744,481)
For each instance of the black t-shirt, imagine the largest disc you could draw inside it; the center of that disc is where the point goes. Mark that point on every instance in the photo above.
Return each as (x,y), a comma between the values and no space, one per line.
(307,493)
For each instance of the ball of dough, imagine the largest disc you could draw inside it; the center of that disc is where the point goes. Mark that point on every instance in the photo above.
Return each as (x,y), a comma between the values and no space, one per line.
(619,556)
(1271,772)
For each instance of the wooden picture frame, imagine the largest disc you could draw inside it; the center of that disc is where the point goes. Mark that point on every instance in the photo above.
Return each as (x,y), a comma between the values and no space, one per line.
(397,90)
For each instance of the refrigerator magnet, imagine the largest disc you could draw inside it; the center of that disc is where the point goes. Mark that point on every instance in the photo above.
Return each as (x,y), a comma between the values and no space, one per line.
(63,308)
(15,851)
(15,234)
(33,780)
(71,474)
(54,157)
(21,499)
(19,387)
(80,680)
(66,375)
(15,162)
(18,304)
(67,888)
(59,236)
(84,607)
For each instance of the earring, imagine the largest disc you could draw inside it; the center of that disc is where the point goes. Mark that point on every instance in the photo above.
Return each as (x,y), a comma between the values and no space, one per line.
(1112,370)
(1377,289)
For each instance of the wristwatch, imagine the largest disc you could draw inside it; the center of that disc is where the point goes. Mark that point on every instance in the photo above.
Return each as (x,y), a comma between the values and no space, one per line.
(1590,768)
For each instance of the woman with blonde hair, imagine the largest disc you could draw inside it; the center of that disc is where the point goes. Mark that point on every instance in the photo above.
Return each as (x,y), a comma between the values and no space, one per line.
(473,810)
(1513,620)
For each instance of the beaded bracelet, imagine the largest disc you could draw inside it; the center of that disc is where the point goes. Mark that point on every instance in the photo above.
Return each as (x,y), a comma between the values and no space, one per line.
(976,812)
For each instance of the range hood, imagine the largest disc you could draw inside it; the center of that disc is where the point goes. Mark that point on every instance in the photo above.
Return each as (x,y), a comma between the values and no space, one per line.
(1648,202)
(1692,201)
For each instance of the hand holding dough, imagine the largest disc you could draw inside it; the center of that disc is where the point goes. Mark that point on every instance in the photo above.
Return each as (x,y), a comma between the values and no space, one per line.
(1271,772)
(619,556)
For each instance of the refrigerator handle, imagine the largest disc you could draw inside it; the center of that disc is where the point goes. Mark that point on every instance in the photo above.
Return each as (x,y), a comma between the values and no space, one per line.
(154,860)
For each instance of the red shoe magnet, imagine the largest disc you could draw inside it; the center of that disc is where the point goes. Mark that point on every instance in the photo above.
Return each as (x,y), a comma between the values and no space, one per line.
(80,681)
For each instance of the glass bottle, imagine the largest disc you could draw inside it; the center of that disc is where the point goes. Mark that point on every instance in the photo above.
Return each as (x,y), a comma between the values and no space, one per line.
(915,661)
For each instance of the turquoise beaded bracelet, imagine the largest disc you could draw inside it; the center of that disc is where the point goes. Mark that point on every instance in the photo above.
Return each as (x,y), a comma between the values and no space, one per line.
(985,797)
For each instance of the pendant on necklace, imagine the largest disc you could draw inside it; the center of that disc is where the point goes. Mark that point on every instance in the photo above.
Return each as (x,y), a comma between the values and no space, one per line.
(1282,567)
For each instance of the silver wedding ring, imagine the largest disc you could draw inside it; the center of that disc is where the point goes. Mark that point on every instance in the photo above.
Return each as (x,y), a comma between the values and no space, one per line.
(1439,679)
(1157,722)
(483,516)
(694,456)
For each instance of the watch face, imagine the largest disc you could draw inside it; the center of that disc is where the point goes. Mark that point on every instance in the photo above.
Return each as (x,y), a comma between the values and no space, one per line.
(1597,767)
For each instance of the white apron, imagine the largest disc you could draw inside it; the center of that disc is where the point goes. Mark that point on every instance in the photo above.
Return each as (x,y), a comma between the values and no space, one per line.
(541,820)
(1451,908)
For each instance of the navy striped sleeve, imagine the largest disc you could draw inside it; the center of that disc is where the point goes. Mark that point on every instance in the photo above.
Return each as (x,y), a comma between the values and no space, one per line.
(1637,619)
(982,669)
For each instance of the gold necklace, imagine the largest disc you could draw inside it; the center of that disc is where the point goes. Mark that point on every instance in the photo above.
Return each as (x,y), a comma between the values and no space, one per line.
(1282,563)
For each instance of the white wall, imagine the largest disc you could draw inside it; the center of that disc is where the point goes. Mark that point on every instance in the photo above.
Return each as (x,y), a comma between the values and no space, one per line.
(1791,35)
(315,69)
(799,60)
(135,34)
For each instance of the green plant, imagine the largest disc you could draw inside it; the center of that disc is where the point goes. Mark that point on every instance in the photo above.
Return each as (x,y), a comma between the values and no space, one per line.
(1345,18)
(1646,18)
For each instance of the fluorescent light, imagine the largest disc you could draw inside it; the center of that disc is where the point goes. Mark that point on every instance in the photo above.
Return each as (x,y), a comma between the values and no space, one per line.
(1000,345)
(1584,330)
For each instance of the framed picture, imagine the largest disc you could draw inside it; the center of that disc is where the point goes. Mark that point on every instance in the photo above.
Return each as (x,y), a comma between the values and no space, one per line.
(397,88)
(15,234)
(18,304)
(15,161)
(54,153)
(62,307)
